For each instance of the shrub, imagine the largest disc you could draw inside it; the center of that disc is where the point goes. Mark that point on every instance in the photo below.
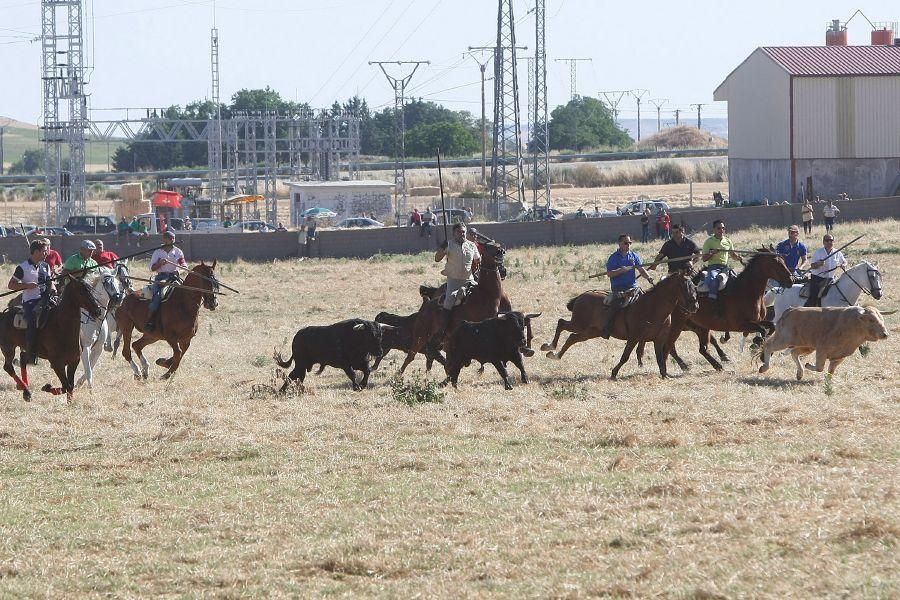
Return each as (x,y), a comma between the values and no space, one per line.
(417,390)
(587,175)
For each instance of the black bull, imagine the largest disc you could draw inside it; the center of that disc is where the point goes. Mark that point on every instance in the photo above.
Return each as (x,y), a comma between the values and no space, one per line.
(346,345)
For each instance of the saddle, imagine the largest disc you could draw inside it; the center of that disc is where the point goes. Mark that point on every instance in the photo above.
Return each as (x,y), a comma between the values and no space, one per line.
(146,293)
(625,298)
(804,291)
(723,279)
(42,312)
(437,293)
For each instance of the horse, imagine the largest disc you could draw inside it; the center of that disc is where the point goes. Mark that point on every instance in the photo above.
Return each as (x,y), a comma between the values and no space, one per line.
(113,337)
(862,278)
(57,340)
(95,333)
(176,320)
(740,307)
(647,319)
(483,303)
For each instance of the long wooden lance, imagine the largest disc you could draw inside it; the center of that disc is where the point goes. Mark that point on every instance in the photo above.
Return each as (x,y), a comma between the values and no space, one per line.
(443,206)
(647,266)
(181,285)
(856,239)
(217,282)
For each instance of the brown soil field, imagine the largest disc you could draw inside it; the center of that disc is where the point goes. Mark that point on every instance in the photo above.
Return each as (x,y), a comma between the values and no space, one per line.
(707,485)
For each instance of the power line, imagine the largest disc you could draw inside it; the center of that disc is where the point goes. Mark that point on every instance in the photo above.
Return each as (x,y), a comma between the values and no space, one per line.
(699,106)
(638,94)
(573,72)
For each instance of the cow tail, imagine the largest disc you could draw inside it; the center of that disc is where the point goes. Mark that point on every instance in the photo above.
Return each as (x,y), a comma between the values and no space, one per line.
(284,364)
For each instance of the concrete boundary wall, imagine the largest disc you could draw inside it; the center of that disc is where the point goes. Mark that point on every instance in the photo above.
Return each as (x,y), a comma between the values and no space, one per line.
(406,240)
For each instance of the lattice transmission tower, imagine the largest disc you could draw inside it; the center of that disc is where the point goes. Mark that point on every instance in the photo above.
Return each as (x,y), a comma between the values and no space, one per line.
(540,135)
(214,130)
(64,108)
(507,176)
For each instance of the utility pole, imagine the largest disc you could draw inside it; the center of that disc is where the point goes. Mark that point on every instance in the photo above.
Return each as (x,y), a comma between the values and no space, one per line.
(1,149)
(658,103)
(638,94)
(482,66)
(698,113)
(572,72)
(613,98)
(214,136)
(677,113)
(399,85)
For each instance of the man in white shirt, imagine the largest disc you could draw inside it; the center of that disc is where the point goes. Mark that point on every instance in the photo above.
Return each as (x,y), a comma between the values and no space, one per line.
(825,262)
(829,211)
(164,263)
(461,255)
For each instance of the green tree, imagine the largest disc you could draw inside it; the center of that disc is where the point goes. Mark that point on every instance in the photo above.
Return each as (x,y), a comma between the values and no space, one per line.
(454,139)
(583,123)
(32,161)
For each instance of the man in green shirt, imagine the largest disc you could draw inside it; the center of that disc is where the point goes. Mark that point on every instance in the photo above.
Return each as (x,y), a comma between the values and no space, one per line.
(78,265)
(716,250)
(122,228)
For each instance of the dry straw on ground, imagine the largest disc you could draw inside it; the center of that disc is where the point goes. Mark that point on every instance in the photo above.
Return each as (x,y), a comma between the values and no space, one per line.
(707,485)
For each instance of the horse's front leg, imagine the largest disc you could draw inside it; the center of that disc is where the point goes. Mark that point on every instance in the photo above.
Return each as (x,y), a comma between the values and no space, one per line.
(178,350)
(110,330)
(138,348)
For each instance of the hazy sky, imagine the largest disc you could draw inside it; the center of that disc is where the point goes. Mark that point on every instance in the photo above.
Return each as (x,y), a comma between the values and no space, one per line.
(156,52)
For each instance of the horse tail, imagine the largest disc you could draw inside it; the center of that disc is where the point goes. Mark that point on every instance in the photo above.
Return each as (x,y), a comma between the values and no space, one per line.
(571,303)
(284,364)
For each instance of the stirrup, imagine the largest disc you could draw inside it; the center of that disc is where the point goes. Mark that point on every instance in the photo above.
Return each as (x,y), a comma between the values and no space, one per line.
(149,326)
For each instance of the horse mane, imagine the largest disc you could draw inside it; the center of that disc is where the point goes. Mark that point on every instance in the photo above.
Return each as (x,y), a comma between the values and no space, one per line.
(754,260)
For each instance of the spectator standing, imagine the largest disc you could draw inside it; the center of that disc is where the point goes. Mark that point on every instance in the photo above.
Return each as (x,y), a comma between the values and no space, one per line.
(280,227)
(53,260)
(666,225)
(427,222)
(104,257)
(415,219)
(187,223)
(659,221)
(227,223)
(645,226)
(807,214)
(829,211)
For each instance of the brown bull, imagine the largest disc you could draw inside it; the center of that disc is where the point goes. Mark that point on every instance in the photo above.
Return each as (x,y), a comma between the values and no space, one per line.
(832,333)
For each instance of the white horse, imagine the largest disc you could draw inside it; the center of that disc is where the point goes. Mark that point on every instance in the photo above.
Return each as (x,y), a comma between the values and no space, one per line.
(121,271)
(863,278)
(95,333)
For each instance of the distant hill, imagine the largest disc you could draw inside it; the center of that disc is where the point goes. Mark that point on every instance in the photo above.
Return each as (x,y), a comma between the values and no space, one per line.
(19,137)
(682,137)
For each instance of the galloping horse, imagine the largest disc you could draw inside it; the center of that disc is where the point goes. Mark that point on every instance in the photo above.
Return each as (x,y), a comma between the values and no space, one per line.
(740,306)
(57,341)
(95,333)
(176,319)
(862,278)
(483,303)
(647,319)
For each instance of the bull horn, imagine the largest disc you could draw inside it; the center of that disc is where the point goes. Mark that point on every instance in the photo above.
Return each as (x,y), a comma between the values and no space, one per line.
(358,326)
(888,312)
(533,315)
(502,316)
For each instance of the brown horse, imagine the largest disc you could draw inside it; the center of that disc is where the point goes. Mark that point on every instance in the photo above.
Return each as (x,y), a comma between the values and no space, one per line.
(57,341)
(483,303)
(176,319)
(647,319)
(740,307)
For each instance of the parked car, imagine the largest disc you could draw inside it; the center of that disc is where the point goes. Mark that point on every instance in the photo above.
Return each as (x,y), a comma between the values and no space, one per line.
(637,207)
(206,224)
(536,215)
(52,231)
(455,215)
(260,226)
(21,230)
(90,224)
(358,222)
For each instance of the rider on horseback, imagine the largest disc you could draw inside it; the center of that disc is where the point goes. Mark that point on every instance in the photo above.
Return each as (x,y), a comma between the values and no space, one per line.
(164,263)
(621,268)
(462,255)
(32,277)
(824,263)
(716,250)
(79,264)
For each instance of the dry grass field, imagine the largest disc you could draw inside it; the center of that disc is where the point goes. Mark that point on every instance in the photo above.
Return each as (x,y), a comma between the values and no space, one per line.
(703,486)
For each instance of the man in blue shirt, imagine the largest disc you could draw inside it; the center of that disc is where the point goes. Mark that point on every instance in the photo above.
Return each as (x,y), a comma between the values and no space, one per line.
(621,268)
(792,250)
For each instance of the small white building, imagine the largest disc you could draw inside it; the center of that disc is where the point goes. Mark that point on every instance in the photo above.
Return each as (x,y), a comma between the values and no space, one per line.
(820,116)
(346,198)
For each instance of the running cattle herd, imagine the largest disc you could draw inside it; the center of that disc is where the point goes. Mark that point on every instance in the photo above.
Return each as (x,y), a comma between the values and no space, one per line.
(785,298)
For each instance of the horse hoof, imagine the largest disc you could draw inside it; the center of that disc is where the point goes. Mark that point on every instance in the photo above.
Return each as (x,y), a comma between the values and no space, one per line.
(165,376)
(162,362)
(545,347)
(527,352)
(47,388)
(108,348)
(723,339)
(763,369)
(552,356)
(26,395)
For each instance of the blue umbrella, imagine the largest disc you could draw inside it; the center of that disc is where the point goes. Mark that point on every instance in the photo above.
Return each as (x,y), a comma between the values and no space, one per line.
(319,212)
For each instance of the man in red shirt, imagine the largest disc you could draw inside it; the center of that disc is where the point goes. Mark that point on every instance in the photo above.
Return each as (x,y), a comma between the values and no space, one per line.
(53,260)
(104,257)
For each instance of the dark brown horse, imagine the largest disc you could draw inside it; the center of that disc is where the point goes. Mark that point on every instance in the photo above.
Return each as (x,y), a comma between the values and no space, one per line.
(57,341)
(176,319)
(483,303)
(740,307)
(647,319)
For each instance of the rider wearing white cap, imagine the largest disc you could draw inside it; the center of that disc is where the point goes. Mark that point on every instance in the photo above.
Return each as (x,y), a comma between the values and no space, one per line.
(163,263)
(78,265)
